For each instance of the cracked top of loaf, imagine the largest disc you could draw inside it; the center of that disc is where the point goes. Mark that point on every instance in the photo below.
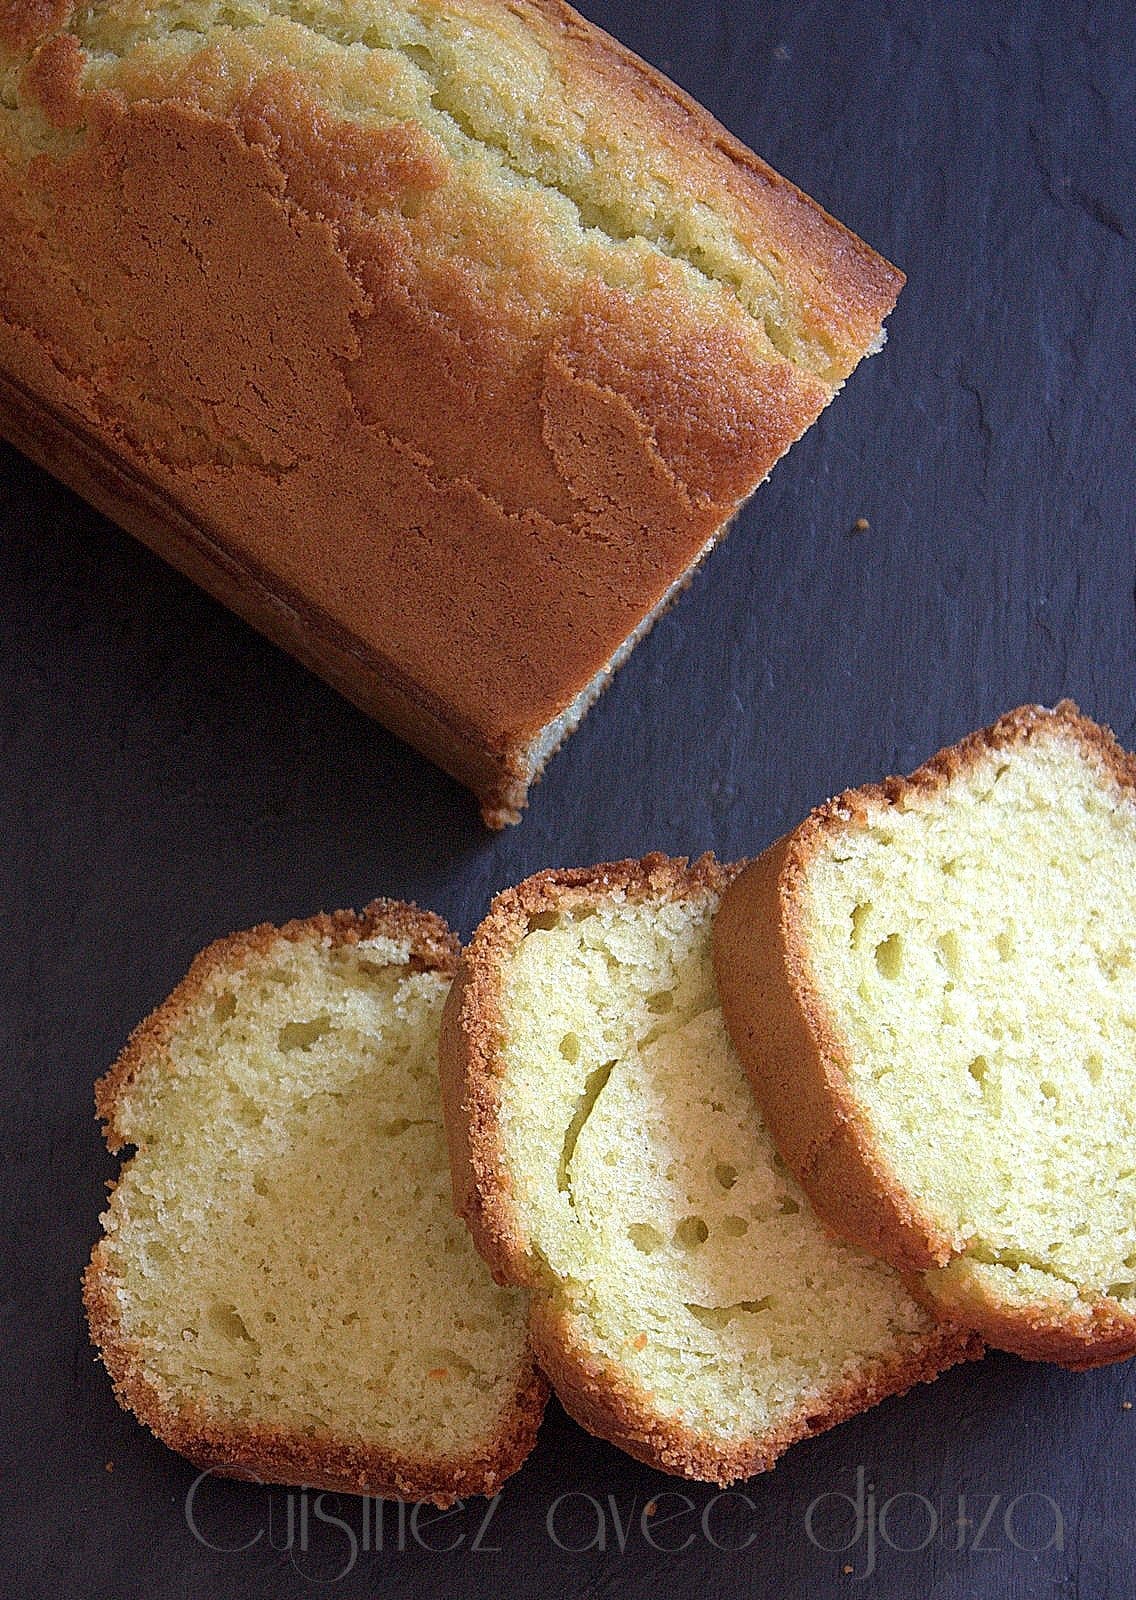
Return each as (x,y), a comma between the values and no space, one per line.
(501,323)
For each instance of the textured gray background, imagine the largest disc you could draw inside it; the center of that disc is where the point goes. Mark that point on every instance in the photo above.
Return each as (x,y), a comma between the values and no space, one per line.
(167,777)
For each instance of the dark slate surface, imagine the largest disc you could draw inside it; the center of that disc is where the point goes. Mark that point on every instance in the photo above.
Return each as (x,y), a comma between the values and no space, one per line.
(167,777)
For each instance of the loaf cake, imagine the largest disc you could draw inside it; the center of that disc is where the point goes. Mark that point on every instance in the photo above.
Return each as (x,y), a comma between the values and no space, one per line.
(932,983)
(438,340)
(607,1154)
(282,1291)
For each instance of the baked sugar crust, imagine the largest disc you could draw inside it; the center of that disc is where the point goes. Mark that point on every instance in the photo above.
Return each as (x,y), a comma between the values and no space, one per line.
(796,1056)
(264,1452)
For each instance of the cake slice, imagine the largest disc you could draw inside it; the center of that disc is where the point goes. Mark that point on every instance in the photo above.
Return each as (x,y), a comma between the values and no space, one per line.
(282,1290)
(932,983)
(608,1157)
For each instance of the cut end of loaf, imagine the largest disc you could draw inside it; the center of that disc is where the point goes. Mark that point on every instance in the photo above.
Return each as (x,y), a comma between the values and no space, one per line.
(282,1290)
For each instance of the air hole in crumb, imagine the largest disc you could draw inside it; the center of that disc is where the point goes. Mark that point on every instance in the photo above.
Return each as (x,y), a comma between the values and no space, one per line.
(645,1238)
(718,1317)
(734,1227)
(545,920)
(950,866)
(260,1184)
(1049,1090)
(419,54)
(397,1125)
(226,1320)
(978,1069)
(658,1003)
(860,915)
(225,1007)
(889,956)
(593,1087)
(725,1175)
(951,952)
(446,1363)
(1094,1066)
(1004,944)
(1121,1290)
(371,969)
(302,1035)
(787,1206)
(691,1232)
(570,1047)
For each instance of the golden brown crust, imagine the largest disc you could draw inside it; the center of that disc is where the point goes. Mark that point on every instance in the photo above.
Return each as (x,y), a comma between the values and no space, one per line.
(599,1394)
(361,673)
(265,1453)
(379,450)
(796,1057)
(1080,1337)
(24,23)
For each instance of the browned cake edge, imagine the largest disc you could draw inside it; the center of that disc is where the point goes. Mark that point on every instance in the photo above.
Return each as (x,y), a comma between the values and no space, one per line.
(598,1392)
(350,663)
(797,1059)
(266,1453)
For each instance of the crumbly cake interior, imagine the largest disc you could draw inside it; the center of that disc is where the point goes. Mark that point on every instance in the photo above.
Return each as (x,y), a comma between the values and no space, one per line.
(545,165)
(649,1191)
(976,949)
(284,1239)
